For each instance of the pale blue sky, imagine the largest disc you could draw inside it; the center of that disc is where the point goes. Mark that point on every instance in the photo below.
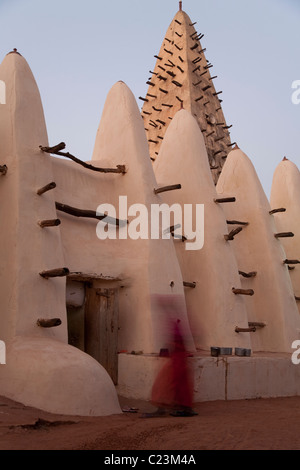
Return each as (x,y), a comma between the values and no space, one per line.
(77,50)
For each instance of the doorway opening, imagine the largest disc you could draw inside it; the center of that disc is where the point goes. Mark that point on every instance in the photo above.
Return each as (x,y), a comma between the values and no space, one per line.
(93,314)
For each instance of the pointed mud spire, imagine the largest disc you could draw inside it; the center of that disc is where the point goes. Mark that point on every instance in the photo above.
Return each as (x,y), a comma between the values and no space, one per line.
(285,193)
(181,78)
(26,250)
(22,130)
(121,137)
(258,250)
(213,309)
(14,51)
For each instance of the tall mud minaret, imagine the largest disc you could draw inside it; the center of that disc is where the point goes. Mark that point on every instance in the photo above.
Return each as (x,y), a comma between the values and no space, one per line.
(181,79)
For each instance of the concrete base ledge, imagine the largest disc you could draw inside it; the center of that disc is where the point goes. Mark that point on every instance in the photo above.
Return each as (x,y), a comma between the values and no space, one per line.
(265,375)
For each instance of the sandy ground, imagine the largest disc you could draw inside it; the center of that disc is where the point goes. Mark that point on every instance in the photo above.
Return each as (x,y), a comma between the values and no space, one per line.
(262,424)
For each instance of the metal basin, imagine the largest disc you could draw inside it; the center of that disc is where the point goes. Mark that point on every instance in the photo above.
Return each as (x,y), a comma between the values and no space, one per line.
(225,351)
(239,351)
(215,352)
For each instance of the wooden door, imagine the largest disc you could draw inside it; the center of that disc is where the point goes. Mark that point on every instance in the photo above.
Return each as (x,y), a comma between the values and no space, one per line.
(101,328)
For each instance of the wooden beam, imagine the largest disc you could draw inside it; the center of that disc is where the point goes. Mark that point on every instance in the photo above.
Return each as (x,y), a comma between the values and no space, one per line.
(167,188)
(179,237)
(284,235)
(54,151)
(48,322)
(192,285)
(257,324)
(232,234)
(59,272)
(49,223)
(242,291)
(90,214)
(224,200)
(245,330)
(46,188)
(248,275)
(3,170)
(172,228)
(297,298)
(236,222)
(91,277)
(274,211)
(291,261)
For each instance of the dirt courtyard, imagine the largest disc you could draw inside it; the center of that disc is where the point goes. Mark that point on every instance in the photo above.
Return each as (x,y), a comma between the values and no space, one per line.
(261,424)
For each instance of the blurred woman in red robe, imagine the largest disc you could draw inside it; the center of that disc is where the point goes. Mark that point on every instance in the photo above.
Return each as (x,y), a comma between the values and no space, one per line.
(174,386)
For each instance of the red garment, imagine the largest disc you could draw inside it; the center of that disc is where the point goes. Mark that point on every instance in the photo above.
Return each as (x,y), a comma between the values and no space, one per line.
(173,386)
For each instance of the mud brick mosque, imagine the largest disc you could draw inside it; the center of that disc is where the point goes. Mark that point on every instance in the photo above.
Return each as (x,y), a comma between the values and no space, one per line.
(78,314)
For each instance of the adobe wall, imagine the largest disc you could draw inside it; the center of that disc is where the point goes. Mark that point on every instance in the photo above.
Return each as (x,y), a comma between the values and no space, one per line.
(26,248)
(285,194)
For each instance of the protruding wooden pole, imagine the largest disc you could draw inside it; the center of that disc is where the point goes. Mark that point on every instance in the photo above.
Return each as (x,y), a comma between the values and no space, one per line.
(172,228)
(180,6)
(179,237)
(224,200)
(167,188)
(89,214)
(49,223)
(275,211)
(236,222)
(46,188)
(56,151)
(48,322)
(245,330)
(291,261)
(297,298)
(242,291)
(232,234)
(3,170)
(284,235)
(59,272)
(248,275)
(257,324)
(192,285)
